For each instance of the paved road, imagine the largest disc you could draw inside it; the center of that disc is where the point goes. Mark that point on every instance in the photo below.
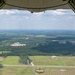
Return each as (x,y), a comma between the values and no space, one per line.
(17,65)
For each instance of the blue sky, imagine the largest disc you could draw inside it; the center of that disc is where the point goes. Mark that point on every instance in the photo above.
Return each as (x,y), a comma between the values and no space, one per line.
(51,19)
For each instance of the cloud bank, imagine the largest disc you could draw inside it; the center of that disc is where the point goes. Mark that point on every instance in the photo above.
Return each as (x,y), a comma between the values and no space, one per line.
(52,19)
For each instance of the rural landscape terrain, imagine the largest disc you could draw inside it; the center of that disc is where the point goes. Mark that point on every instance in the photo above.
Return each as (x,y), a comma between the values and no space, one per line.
(37,52)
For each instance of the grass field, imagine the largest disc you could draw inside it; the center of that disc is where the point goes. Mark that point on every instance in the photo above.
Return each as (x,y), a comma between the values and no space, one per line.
(30,71)
(52,65)
(69,61)
(11,60)
(1,59)
(16,71)
(41,60)
(46,60)
(53,60)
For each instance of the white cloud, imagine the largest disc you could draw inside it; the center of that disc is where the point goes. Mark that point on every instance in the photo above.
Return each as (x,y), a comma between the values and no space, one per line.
(13,11)
(7,12)
(58,12)
(40,13)
(24,19)
(36,16)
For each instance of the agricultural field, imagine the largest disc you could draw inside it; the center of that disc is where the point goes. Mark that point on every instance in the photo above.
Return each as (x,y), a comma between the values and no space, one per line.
(47,60)
(11,60)
(53,60)
(40,60)
(16,71)
(54,65)
(32,71)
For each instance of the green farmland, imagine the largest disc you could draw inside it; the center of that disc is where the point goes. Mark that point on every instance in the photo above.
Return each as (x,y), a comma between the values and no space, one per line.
(53,60)
(32,71)
(11,60)
(47,60)
(41,60)
(59,65)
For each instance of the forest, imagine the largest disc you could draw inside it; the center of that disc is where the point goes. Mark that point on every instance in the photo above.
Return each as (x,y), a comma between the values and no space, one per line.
(38,42)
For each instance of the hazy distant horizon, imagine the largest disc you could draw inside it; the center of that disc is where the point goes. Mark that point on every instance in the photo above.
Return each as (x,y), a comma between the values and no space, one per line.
(41,29)
(34,30)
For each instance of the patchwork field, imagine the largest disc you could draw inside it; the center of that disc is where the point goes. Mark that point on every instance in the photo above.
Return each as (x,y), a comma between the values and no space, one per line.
(10,60)
(53,60)
(41,60)
(51,65)
(16,71)
(31,71)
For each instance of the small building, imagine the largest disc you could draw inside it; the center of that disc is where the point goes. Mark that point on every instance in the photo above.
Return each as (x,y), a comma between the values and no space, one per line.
(17,44)
(62,42)
(73,42)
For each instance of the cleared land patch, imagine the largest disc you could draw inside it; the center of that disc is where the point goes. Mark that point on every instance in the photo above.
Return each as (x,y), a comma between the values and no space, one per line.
(52,65)
(1,59)
(53,60)
(11,60)
(68,60)
(30,71)
(16,71)
(40,60)
(46,60)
